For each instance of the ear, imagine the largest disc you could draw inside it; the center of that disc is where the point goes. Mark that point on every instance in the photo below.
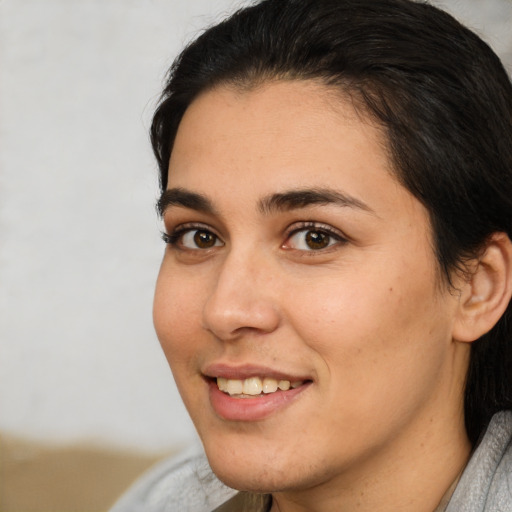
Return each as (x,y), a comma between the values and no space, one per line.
(484,297)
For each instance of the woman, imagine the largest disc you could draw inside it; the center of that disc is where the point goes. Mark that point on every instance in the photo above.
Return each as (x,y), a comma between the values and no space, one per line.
(334,299)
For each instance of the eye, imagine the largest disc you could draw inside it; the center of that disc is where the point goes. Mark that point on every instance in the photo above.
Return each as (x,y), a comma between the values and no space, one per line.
(312,238)
(198,238)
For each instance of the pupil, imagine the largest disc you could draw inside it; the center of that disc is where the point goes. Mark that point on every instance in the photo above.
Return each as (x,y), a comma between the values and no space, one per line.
(317,240)
(204,239)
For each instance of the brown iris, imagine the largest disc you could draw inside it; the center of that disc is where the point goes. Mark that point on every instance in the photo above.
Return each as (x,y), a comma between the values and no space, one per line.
(317,240)
(204,239)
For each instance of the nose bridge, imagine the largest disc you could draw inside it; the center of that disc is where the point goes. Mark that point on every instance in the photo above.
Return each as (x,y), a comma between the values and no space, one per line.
(242,297)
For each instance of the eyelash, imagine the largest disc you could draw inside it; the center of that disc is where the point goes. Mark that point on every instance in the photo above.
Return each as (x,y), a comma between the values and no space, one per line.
(169,239)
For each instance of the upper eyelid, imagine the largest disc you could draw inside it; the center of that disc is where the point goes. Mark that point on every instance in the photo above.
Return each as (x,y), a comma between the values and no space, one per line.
(191,226)
(313,225)
(174,217)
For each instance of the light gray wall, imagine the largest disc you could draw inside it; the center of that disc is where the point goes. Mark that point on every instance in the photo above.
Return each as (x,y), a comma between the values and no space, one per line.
(79,239)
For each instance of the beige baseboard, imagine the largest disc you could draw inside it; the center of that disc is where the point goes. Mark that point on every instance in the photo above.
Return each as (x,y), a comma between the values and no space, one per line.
(37,478)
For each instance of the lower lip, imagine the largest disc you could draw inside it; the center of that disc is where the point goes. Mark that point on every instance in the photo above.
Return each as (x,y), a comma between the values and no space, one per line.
(251,409)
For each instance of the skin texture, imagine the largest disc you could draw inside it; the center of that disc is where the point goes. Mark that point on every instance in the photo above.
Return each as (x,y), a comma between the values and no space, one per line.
(365,319)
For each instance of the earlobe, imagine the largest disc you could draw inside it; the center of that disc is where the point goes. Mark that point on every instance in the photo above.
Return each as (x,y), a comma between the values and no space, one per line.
(487,292)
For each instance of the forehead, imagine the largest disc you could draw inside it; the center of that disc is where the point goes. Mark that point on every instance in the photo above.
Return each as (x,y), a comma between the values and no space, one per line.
(279,101)
(284,126)
(279,136)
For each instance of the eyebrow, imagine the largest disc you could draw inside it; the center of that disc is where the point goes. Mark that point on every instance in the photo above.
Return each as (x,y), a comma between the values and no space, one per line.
(283,201)
(185,199)
(301,198)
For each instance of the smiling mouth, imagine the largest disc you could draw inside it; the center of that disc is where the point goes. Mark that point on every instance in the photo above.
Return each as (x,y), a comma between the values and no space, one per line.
(255,386)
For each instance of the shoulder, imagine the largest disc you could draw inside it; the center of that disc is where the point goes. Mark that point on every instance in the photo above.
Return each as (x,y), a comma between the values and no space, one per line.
(486,484)
(178,484)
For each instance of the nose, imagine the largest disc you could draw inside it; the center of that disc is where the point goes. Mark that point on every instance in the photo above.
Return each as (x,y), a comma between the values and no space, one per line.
(242,299)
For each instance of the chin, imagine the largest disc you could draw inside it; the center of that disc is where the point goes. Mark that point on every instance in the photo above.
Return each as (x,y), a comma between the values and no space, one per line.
(251,479)
(259,470)
(246,469)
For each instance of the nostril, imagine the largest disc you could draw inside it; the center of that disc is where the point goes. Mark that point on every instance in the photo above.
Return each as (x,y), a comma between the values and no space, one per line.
(229,320)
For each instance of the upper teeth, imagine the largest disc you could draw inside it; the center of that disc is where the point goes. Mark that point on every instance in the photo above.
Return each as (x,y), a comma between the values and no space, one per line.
(254,385)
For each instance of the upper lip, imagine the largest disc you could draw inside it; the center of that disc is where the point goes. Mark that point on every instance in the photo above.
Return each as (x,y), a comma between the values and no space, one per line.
(247,371)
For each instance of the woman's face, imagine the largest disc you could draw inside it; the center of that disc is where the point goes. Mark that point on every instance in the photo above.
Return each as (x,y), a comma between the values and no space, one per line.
(297,261)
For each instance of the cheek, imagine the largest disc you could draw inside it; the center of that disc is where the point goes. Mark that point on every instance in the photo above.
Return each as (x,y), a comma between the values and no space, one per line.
(176,315)
(374,331)
(177,321)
